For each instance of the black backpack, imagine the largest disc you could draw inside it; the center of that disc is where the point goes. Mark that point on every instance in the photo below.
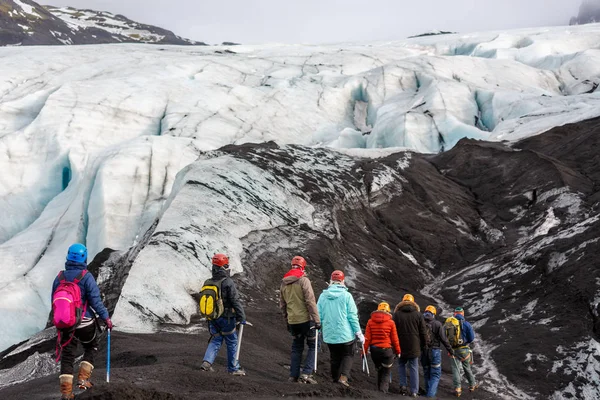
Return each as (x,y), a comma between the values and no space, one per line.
(428,336)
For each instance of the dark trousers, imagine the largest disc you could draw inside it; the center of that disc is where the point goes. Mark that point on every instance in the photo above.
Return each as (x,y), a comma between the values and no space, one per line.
(383,360)
(88,338)
(341,359)
(302,333)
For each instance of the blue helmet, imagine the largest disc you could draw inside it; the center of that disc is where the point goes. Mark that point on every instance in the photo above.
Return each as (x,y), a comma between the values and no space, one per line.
(77,253)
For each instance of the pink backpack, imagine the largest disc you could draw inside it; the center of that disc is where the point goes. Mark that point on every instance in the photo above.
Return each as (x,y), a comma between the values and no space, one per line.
(67,308)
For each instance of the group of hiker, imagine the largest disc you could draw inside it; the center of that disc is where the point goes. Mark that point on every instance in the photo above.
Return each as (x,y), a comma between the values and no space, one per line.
(406,334)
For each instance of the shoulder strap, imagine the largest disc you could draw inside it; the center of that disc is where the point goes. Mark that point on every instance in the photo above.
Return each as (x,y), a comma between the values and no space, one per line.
(80,276)
(61,276)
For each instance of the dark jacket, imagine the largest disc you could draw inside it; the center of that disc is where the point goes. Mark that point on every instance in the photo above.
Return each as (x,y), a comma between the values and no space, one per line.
(297,299)
(229,294)
(439,334)
(467,334)
(90,292)
(410,326)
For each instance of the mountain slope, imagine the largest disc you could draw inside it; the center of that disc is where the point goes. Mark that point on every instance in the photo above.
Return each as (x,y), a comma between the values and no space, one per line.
(24,22)
(589,13)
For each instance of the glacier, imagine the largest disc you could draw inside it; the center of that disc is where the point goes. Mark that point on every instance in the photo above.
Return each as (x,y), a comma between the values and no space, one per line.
(94,139)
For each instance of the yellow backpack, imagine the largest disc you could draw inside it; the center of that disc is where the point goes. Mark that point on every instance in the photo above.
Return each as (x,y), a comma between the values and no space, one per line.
(452,328)
(211,303)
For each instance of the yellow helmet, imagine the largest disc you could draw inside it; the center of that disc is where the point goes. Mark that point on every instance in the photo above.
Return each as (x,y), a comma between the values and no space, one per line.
(408,297)
(383,306)
(431,309)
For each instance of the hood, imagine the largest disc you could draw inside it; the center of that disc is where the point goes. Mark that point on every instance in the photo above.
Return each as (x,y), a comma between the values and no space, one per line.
(380,316)
(72,265)
(293,275)
(335,291)
(407,306)
(219,273)
(428,316)
(459,317)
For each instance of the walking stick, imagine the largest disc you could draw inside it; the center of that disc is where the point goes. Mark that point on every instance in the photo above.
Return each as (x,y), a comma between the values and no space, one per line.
(108,358)
(366,363)
(316,348)
(239,343)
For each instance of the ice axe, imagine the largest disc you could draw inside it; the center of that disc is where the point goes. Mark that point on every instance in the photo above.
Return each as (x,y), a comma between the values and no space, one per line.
(108,357)
(239,343)
(365,363)
(316,347)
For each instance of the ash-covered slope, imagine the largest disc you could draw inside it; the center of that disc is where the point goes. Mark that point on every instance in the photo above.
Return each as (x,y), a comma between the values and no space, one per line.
(514,245)
(25,22)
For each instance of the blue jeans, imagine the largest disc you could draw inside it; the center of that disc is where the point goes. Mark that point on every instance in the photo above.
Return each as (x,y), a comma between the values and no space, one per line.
(432,370)
(302,333)
(223,329)
(413,366)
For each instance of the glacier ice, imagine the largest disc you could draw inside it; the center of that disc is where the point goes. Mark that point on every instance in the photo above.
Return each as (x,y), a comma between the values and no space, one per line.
(92,138)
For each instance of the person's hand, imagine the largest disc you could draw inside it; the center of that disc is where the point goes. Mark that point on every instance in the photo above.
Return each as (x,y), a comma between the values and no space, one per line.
(242,323)
(361,338)
(398,355)
(451,353)
(318,327)
(108,323)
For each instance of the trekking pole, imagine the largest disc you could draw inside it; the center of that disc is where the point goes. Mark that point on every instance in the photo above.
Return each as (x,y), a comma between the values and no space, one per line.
(316,347)
(108,358)
(366,363)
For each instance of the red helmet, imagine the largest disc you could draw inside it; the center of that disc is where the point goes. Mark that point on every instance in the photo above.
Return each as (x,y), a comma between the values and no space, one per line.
(299,262)
(220,260)
(337,276)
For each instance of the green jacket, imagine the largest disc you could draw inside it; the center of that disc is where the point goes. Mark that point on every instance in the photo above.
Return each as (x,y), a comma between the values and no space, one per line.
(297,299)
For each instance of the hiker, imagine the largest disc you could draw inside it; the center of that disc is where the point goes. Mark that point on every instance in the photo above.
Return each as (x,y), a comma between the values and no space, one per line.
(339,318)
(84,328)
(460,335)
(411,333)
(381,340)
(299,307)
(224,327)
(431,355)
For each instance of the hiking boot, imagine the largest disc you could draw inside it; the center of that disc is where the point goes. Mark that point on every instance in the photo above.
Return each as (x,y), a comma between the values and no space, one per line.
(66,387)
(293,379)
(239,372)
(85,372)
(472,388)
(206,366)
(305,378)
(413,395)
(403,390)
(457,392)
(344,381)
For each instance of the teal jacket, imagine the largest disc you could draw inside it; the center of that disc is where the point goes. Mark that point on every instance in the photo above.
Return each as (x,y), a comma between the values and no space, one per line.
(339,316)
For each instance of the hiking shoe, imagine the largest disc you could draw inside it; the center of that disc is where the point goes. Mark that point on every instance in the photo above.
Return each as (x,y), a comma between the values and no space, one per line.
(457,392)
(239,372)
(472,388)
(293,379)
(305,378)
(344,381)
(413,395)
(403,390)
(206,366)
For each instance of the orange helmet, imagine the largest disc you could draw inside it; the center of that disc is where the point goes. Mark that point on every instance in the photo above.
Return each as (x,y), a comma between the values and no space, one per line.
(408,297)
(431,309)
(220,260)
(337,276)
(299,262)
(383,306)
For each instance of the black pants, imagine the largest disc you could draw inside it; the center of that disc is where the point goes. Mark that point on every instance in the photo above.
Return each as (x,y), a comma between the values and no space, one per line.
(383,360)
(302,333)
(88,338)
(341,359)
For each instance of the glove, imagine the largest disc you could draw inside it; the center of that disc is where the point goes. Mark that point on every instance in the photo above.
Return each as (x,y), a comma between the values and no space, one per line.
(241,323)
(108,323)
(451,353)
(361,338)
(398,355)
(318,327)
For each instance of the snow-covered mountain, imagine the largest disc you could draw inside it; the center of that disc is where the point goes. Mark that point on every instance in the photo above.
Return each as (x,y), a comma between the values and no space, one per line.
(25,22)
(156,157)
(589,13)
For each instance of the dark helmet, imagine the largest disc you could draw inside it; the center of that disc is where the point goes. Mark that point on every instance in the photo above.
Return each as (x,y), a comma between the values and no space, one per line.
(77,253)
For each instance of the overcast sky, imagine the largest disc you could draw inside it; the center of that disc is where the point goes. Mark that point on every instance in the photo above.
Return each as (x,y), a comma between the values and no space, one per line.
(326,21)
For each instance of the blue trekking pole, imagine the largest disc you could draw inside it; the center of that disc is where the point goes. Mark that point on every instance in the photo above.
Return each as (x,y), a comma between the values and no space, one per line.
(108,359)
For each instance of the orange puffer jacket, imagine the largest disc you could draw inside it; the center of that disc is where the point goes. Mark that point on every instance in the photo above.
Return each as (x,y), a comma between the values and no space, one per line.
(381,332)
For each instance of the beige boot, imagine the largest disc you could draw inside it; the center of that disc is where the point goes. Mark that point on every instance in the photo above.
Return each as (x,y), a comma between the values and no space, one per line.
(344,380)
(85,372)
(66,387)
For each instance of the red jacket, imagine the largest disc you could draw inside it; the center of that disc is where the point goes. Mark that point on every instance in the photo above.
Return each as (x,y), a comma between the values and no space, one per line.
(381,332)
